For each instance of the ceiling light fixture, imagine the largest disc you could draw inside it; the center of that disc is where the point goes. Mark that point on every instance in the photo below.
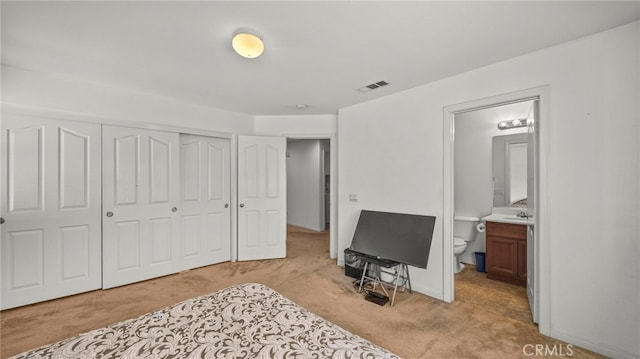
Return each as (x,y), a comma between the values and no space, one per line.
(247,43)
(505,125)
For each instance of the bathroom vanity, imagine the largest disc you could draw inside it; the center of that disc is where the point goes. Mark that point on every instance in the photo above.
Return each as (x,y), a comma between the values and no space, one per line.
(506,252)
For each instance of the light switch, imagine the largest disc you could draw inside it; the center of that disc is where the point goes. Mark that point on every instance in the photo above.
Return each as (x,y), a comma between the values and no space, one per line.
(353,197)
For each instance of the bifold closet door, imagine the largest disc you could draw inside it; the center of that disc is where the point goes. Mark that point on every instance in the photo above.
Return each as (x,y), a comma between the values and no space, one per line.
(140,204)
(205,212)
(50,209)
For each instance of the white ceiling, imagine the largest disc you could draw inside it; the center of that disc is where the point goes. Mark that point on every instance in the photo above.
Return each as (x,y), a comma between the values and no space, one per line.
(317,53)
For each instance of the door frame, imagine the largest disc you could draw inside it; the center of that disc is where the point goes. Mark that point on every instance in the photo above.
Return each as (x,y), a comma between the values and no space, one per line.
(333,185)
(541,252)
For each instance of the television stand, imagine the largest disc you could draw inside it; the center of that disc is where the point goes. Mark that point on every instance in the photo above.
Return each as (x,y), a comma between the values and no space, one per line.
(398,271)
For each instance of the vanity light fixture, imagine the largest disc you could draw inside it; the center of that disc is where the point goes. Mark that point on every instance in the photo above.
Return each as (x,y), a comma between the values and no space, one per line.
(505,125)
(247,43)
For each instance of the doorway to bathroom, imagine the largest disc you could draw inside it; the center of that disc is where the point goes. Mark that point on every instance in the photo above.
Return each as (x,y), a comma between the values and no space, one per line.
(490,176)
(481,182)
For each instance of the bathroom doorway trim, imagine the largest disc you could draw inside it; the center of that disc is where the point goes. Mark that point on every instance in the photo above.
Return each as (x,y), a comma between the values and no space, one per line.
(542,256)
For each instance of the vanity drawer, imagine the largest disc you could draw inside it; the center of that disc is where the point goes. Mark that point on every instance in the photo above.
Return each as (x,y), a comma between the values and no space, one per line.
(508,230)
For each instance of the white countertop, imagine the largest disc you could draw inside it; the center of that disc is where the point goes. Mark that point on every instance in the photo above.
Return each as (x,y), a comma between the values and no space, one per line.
(507,218)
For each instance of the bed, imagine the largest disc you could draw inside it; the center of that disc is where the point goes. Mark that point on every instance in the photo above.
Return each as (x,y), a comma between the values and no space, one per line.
(244,321)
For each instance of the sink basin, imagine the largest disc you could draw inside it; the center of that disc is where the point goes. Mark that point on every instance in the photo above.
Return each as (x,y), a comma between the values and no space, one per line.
(507,218)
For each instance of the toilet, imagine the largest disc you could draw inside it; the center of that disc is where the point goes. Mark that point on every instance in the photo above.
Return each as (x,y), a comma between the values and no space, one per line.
(464,231)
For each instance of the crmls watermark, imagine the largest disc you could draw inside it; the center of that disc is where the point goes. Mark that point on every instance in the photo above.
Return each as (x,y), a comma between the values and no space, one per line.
(546,350)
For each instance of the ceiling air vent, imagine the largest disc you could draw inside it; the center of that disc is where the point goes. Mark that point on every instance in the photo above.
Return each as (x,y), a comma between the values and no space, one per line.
(372,86)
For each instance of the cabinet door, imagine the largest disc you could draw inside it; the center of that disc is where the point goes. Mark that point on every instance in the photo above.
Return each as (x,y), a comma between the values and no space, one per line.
(51,206)
(522,260)
(502,256)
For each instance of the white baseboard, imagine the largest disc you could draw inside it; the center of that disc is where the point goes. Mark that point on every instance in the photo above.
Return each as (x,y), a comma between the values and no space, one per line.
(428,291)
(586,344)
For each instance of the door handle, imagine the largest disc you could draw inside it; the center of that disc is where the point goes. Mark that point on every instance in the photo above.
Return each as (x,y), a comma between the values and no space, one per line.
(241,205)
(109,214)
(226,205)
(174,209)
(1,220)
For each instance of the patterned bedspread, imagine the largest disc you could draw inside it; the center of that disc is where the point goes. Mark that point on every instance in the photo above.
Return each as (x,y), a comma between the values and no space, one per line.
(243,321)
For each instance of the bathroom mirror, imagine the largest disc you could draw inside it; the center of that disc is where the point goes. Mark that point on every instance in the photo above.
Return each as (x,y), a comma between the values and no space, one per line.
(510,170)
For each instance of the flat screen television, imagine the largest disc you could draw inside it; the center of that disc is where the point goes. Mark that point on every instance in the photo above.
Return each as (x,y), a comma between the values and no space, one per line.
(403,238)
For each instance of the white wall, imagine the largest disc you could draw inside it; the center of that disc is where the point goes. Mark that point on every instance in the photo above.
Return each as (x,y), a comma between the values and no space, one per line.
(391,155)
(473,164)
(305,193)
(53,93)
(295,126)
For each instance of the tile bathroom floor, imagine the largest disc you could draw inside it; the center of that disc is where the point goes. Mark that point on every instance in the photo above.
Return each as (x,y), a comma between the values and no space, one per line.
(474,288)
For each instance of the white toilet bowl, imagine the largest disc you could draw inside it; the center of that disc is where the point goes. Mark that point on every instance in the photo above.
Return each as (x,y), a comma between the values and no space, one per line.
(464,231)
(459,246)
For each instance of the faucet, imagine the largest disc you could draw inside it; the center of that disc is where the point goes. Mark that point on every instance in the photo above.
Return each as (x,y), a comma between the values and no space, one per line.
(522,214)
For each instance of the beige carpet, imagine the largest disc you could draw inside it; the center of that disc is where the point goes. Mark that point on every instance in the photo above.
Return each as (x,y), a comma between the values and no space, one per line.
(489,319)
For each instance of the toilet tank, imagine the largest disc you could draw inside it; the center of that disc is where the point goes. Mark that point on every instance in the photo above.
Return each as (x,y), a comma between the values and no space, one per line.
(465,227)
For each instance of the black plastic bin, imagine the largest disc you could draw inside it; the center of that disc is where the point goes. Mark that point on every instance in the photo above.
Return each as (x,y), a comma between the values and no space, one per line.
(480,256)
(353,265)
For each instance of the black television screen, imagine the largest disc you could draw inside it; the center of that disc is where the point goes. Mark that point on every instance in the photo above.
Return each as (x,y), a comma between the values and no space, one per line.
(403,238)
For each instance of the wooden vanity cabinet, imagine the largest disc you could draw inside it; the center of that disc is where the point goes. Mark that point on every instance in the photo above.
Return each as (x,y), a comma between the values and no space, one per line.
(506,254)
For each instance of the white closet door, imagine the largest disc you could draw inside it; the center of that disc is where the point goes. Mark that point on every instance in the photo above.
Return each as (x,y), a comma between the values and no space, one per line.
(140,204)
(205,195)
(262,197)
(50,208)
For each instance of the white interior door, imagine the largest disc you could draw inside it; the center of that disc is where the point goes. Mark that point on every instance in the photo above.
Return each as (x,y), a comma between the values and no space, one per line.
(140,204)
(205,197)
(51,238)
(262,202)
(532,191)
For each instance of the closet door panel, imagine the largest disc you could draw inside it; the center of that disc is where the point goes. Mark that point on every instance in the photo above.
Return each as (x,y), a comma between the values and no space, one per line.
(74,169)
(160,170)
(28,245)
(190,169)
(191,235)
(75,246)
(25,159)
(216,184)
(161,240)
(205,194)
(217,232)
(51,242)
(140,204)
(126,168)
(127,242)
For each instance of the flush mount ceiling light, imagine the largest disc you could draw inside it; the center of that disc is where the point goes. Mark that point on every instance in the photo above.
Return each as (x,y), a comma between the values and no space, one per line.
(505,125)
(247,43)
